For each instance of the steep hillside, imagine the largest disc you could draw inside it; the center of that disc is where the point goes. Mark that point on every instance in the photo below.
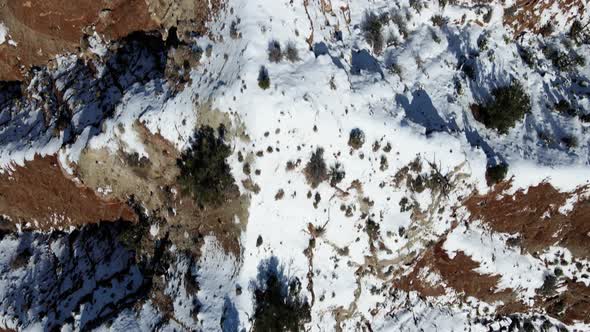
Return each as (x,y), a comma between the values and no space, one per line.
(311,165)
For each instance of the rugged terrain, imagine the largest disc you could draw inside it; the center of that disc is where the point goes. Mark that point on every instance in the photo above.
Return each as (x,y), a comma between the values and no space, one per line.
(317,165)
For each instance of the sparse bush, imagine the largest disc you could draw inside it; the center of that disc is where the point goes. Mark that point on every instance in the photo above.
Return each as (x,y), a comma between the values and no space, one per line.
(392,39)
(405,205)
(278,305)
(204,172)
(263,78)
(316,171)
(562,60)
(487,17)
(509,104)
(570,141)
(482,42)
(584,117)
(546,30)
(383,163)
(418,5)
(575,32)
(558,272)
(439,20)
(395,69)
(275,54)
(291,52)
(526,55)
(563,107)
(400,21)
(496,174)
(371,27)
(372,229)
(356,138)
(233,30)
(337,174)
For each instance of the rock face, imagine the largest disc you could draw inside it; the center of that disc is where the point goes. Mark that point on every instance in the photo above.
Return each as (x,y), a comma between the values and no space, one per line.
(350,166)
(42,193)
(41,30)
(83,278)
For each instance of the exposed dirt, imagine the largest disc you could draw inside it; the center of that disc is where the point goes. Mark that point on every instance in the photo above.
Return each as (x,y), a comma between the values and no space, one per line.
(153,182)
(40,193)
(451,275)
(187,16)
(45,28)
(534,215)
(525,15)
(571,305)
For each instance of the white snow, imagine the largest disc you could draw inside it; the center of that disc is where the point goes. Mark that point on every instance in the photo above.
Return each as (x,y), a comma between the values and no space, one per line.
(3,33)
(315,102)
(521,272)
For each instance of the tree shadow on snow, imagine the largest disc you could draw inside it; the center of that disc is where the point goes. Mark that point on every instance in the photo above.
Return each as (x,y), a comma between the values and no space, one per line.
(363,61)
(84,94)
(421,110)
(322,49)
(278,304)
(230,321)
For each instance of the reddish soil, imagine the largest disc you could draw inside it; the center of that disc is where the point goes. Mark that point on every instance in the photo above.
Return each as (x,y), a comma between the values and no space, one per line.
(523,214)
(457,273)
(525,15)
(572,305)
(44,28)
(41,192)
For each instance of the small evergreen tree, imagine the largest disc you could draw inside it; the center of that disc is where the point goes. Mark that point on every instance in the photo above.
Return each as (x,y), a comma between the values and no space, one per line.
(509,104)
(204,172)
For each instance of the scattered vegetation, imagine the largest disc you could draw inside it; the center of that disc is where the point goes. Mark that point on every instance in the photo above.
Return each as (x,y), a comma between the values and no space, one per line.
(483,42)
(546,30)
(336,174)
(563,61)
(526,55)
(570,141)
(291,52)
(439,20)
(316,171)
(275,54)
(263,78)
(371,27)
(509,104)
(575,32)
(204,172)
(278,305)
(383,163)
(233,30)
(402,26)
(356,138)
(564,107)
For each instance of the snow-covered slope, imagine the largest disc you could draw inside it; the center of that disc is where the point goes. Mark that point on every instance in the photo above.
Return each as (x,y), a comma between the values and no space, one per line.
(401,240)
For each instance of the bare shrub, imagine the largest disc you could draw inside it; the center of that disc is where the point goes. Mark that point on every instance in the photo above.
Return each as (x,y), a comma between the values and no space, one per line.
(371,27)
(316,171)
(275,53)
(291,52)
